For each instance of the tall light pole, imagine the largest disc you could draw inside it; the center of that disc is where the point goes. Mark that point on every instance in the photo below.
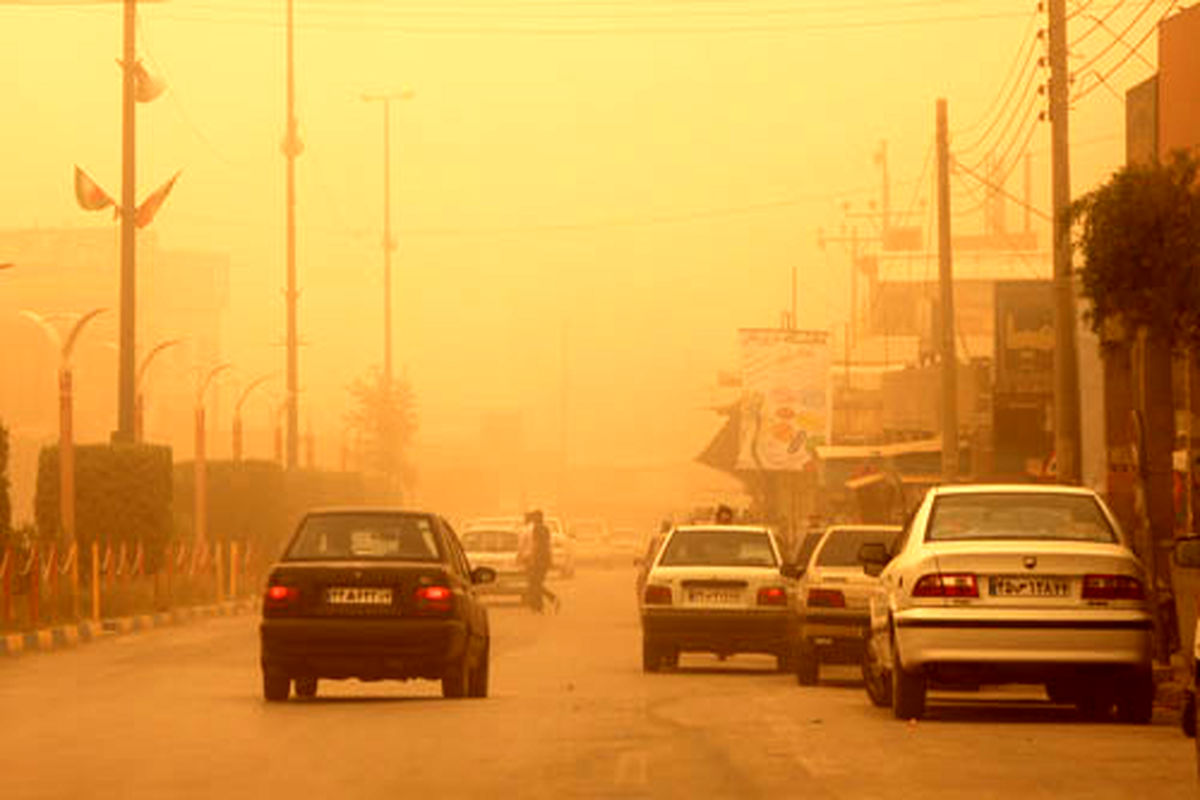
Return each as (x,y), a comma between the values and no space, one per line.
(200,461)
(291,149)
(385,99)
(66,436)
(139,423)
(127,340)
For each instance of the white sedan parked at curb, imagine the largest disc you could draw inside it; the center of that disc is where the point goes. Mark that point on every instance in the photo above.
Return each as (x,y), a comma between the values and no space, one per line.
(1011,584)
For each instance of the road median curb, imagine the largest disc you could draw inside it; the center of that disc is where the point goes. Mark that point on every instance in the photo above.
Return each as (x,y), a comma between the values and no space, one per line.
(59,637)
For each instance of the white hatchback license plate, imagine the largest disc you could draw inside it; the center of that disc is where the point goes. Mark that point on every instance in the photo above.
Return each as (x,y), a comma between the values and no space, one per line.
(358,596)
(725,597)
(1028,586)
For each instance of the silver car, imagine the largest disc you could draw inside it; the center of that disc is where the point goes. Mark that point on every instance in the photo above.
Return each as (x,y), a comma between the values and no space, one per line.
(1007,584)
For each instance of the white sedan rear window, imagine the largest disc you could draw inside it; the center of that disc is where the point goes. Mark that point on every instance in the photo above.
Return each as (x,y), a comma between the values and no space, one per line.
(719,548)
(1013,515)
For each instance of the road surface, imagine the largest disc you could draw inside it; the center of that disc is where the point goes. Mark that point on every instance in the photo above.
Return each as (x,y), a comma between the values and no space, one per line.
(177,713)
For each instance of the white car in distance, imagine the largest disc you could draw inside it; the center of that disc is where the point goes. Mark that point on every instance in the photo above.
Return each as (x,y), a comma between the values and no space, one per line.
(717,589)
(1011,584)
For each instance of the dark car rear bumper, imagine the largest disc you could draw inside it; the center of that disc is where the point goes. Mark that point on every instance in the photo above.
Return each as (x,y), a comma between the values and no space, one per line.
(722,632)
(837,637)
(368,649)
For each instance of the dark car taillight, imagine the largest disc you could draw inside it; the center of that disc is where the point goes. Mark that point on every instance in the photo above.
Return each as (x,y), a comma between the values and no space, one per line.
(772,596)
(280,598)
(657,596)
(435,599)
(1112,587)
(826,598)
(946,584)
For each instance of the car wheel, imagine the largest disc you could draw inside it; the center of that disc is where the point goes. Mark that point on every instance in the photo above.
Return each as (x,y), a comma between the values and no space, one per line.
(1135,698)
(479,675)
(808,667)
(651,655)
(670,658)
(276,687)
(1188,721)
(456,682)
(306,687)
(786,661)
(876,679)
(1094,702)
(908,690)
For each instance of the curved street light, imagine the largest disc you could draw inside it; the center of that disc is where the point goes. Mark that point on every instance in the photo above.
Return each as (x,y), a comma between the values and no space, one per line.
(66,434)
(237,413)
(139,421)
(199,461)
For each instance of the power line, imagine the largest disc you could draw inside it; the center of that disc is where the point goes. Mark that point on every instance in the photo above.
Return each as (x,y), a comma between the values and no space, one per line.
(1013,75)
(1001,190)
(1096,25)
(1118,38)
(1132,51)
(1024,99)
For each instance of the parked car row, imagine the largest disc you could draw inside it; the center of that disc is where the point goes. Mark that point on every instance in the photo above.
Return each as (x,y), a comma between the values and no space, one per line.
(984,584)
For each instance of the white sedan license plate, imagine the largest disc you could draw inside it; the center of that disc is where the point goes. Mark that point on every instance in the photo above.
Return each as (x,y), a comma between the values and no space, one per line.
(1028,586)
(714,596)
(358,596)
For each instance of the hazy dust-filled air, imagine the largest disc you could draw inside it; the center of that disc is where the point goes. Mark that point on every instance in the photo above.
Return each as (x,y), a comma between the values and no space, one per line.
(599,398)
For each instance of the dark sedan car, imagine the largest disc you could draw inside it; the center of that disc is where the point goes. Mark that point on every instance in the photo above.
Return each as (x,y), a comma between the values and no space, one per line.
(374,594)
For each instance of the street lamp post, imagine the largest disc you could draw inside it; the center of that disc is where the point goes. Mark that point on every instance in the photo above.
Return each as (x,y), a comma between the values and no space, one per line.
(139,423)
(199,463)
(66,438)
(385,99)
(237,415)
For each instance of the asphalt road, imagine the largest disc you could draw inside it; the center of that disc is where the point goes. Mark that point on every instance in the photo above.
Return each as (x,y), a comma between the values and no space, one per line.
(177,713)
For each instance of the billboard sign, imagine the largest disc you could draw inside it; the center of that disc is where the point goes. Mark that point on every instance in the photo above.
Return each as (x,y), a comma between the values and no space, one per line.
(785,398)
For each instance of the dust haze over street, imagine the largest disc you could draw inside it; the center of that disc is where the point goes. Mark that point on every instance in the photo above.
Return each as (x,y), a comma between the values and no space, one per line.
(176,713)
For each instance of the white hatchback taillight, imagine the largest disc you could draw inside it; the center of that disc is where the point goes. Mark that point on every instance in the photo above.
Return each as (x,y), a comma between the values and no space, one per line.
(772,596)
(657,595)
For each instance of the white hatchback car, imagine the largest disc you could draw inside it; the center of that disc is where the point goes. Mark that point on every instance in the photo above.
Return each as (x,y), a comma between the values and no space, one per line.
(718,589)
(1008,584)
(833,598)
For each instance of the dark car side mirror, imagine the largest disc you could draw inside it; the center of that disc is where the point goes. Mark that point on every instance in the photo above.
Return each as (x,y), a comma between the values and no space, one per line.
(483,575)
(791,570)
(1187,552)
(874,557)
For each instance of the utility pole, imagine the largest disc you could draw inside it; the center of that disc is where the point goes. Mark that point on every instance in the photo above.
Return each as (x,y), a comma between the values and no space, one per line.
(882,158)
(127,340)
(946,287)
(1066,370)
(291,149)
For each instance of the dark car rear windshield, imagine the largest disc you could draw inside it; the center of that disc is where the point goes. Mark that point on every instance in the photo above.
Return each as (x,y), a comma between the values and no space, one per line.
(1015,515)
(719,548)
(485,541)
(841,546)
(358,537)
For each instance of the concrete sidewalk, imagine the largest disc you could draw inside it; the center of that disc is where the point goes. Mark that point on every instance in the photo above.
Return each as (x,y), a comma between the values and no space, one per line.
(57,637)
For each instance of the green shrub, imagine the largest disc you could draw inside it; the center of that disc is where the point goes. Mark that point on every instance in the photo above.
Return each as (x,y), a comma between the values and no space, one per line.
(122,495)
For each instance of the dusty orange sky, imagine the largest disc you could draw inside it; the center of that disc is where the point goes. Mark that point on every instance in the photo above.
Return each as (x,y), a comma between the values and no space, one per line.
(642,175)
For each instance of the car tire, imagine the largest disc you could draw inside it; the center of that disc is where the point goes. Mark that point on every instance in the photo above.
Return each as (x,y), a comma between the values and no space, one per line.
(1135,698)
(1094,703)
(306,688)
(876,679)
(276,687)
(670,658)
(456,681)
(651,655)
(786,661)
(1187,722)
(908,690)
(479,676)
(808,667)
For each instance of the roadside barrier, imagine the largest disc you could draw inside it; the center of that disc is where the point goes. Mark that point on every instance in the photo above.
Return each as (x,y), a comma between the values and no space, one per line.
(45,582)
